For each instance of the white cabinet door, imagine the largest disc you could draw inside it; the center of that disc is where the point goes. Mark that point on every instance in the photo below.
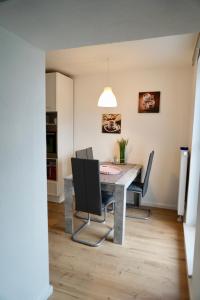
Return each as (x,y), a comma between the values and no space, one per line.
(51,92)
(59,98)
(52,188)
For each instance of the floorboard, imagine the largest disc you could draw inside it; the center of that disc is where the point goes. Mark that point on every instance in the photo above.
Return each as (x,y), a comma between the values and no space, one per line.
(149,266)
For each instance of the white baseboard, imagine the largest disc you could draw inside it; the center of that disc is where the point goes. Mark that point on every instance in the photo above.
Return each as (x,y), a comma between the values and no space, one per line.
(46,293)
(56,199)
(159,205)
(130,199)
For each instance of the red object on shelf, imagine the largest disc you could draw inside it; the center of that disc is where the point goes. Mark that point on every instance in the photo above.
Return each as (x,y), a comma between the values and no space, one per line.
(51,172)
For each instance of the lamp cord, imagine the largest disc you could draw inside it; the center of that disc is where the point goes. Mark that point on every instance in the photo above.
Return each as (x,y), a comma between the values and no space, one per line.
(108,71)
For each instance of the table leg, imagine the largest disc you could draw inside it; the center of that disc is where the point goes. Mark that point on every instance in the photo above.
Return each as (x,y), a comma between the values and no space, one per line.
(68,188)
(120,214)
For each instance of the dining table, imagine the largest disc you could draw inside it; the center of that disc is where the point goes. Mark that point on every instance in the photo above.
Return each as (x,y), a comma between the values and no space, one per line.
(115,183)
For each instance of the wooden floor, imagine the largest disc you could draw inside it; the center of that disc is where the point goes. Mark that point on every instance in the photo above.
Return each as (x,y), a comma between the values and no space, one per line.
(150,265)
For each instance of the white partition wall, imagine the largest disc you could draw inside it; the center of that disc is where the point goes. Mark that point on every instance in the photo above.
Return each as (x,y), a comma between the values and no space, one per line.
(24,265)
(195,280)
(192,224)
(193,188)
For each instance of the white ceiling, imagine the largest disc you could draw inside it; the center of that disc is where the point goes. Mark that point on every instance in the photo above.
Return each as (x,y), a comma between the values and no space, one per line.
(157,52)
(51,24)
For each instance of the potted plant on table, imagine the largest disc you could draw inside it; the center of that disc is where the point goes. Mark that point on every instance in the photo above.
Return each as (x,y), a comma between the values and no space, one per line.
(122,148)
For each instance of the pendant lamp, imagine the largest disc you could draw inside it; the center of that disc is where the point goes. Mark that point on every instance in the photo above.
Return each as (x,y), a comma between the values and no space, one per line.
(107,97)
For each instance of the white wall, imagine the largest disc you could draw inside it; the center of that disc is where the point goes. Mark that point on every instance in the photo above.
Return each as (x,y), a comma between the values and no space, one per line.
(193,188)
(195,280)
(193,202)
(24,271)
(164,132)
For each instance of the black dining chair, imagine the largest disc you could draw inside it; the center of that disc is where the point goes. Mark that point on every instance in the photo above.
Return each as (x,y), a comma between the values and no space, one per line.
(89,153)
(86,153)
(141,188)
(88,196)
(81,154)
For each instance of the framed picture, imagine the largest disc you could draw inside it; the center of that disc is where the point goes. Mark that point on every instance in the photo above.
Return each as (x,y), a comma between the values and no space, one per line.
(149,102)
(111,123)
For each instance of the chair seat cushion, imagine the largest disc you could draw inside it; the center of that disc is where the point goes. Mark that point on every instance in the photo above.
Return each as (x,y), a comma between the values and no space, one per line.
(107,198)
(136,187)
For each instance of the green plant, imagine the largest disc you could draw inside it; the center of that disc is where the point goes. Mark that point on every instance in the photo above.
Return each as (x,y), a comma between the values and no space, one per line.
(122,142)
(122,147)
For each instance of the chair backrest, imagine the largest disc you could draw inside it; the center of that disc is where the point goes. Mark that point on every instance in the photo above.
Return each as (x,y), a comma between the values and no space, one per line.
(81,154)
(148,170)
(87,188)
(86,153)
(89,152)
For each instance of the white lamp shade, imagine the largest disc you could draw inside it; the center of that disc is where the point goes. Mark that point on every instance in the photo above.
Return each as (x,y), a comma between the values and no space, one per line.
(107,98)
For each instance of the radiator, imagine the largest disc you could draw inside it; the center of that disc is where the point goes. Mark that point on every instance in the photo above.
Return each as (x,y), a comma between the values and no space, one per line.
(184,157)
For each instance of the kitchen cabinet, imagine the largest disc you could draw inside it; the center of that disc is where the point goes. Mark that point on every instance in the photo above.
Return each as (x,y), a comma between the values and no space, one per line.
(59,100)
(51,79)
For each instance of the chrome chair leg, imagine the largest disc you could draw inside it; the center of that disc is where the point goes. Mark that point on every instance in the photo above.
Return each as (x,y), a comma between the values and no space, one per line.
(138,207)
(76,214)
(146,217)
(88,243)
(111,209)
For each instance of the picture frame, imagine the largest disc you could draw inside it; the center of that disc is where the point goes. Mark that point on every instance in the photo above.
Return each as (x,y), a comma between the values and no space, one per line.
(111,123)
(149,102)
